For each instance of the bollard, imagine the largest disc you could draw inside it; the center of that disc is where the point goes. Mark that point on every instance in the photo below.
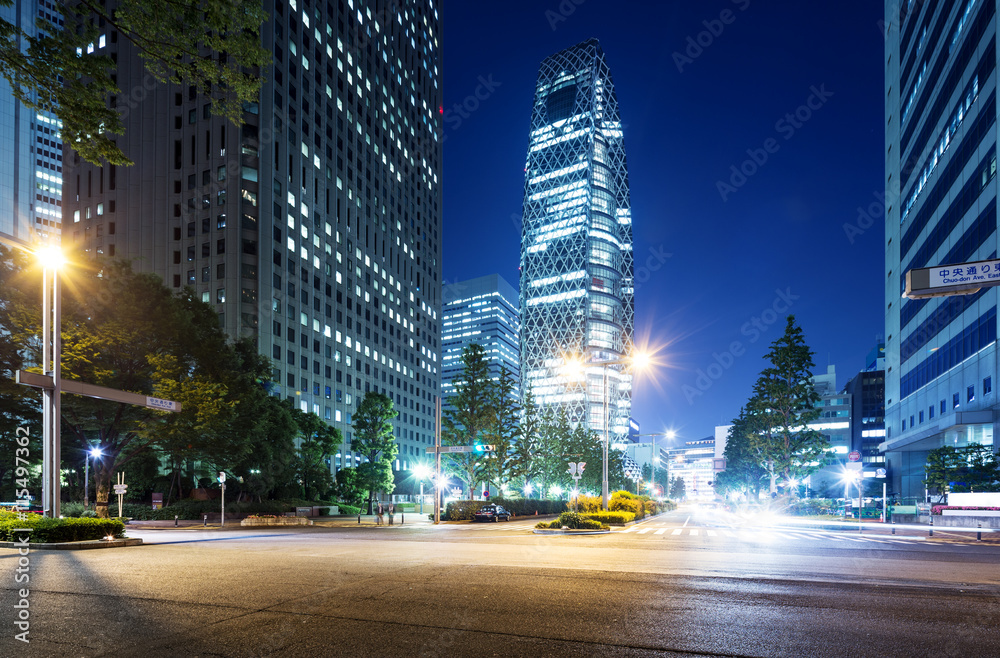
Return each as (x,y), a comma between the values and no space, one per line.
(206,520)
(359,518)
(893,526)
(931,533)
(175,520)
(402,518)
(979,533)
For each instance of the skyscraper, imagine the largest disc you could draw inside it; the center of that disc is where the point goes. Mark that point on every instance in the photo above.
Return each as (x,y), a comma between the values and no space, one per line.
(314,228)
(483,311)
(941,208)
(576,244)
(30,148)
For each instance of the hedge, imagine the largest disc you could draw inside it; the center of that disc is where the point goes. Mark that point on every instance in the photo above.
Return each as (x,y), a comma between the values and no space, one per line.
(47,530)
(610,518)
(463,510)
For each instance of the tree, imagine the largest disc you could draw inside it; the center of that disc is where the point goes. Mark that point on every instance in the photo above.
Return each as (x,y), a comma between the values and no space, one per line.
(743,467)
(211,45)
(349,487)
(317,442)
(677,488)
(965,469)
(470,413)
(373,439)
(526,463)
(502,431)
(783,405)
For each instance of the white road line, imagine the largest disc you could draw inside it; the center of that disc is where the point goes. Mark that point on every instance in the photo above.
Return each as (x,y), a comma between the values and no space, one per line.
(694,532)
(660,531)
(644,531)
(710,533)
(677,531)
(803,536)
(686,522)
(629,529)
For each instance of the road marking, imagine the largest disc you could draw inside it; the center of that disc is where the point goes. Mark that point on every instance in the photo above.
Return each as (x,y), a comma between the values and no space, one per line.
(729,534)
(660,531)
(644,531)
(629,529)
(694,532)
(676,531)
(710,533)
(686,522)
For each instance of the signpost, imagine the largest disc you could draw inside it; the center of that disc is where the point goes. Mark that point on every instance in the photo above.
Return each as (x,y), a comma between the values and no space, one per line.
(48,384)
(854,456)
(120,489)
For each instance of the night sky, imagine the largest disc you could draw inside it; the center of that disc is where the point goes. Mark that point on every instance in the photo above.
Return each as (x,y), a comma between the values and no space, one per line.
(708,261)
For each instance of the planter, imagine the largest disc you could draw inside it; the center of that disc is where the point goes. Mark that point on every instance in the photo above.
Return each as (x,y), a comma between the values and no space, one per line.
(969,512)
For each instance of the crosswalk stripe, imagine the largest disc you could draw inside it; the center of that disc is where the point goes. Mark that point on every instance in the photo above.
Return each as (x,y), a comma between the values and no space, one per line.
(710,533)
(694,532)
(677,531)
(729,534)
(660,531)
(629,529)
(644,531)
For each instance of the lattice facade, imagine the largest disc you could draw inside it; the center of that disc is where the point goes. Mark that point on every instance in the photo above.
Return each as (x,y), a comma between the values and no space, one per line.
(576,244)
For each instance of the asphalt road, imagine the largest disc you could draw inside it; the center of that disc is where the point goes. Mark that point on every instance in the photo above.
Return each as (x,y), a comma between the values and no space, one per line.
(498,590)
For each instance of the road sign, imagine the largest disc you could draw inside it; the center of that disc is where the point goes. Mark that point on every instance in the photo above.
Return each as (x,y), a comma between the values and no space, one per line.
(854,466)
(100,392)
(854,456)
(880,472)
(446,449)
(956,279)
(120,489)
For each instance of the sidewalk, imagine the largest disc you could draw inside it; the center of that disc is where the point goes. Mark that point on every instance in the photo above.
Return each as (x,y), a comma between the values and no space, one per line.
(407,519)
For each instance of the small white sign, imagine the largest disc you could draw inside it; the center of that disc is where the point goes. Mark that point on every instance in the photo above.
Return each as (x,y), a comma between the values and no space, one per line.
(981,273)
(120,489)
(160,403)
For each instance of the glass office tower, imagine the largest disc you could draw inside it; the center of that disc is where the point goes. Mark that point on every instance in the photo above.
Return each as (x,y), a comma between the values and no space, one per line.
(576,244)
(941,208)
(315,227)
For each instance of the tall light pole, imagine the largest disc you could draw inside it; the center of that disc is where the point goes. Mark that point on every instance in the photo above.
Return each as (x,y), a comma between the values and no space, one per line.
(638,360)
(670,434)
(51,259)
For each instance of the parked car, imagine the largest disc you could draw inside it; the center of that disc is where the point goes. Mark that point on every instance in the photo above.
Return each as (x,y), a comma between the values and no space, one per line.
(491,513)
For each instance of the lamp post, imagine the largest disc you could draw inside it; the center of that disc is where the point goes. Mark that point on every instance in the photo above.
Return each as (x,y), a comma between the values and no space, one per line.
(51,259)
(638,360)
(421,472)
(670,434)
(95,453)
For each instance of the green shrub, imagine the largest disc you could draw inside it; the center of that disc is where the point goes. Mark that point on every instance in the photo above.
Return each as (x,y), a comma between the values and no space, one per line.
(348,510)
(619,517)
(46,530)
(589,503)
(71,510)
(463,510)
(626,503)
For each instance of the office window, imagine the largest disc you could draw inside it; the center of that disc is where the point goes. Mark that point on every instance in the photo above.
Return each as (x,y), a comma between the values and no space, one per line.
(942,407)
(220,296)
(970,393)
(930,412)
(921,419)
(954,400)
(988,385)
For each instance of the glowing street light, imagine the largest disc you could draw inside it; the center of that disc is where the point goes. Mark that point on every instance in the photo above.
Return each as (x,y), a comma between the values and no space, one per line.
(51,258)
(422,472)
(95,453)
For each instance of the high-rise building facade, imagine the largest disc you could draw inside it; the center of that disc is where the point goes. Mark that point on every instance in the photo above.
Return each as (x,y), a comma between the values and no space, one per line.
(941,208)
(30,147)
(314,227)
(483,311)
(576,245)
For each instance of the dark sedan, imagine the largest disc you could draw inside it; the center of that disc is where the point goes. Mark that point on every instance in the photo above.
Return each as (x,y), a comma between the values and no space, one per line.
(491,513)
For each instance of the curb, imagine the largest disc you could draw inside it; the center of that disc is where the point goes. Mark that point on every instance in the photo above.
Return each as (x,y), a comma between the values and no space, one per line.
(76,545)
(540,531)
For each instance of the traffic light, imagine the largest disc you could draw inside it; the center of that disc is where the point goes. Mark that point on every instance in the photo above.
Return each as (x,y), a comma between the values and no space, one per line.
(480,447)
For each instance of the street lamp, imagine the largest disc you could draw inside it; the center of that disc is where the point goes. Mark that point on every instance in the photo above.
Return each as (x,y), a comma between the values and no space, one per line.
(422,472)
(639,360)
(95,453)
(51,259)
